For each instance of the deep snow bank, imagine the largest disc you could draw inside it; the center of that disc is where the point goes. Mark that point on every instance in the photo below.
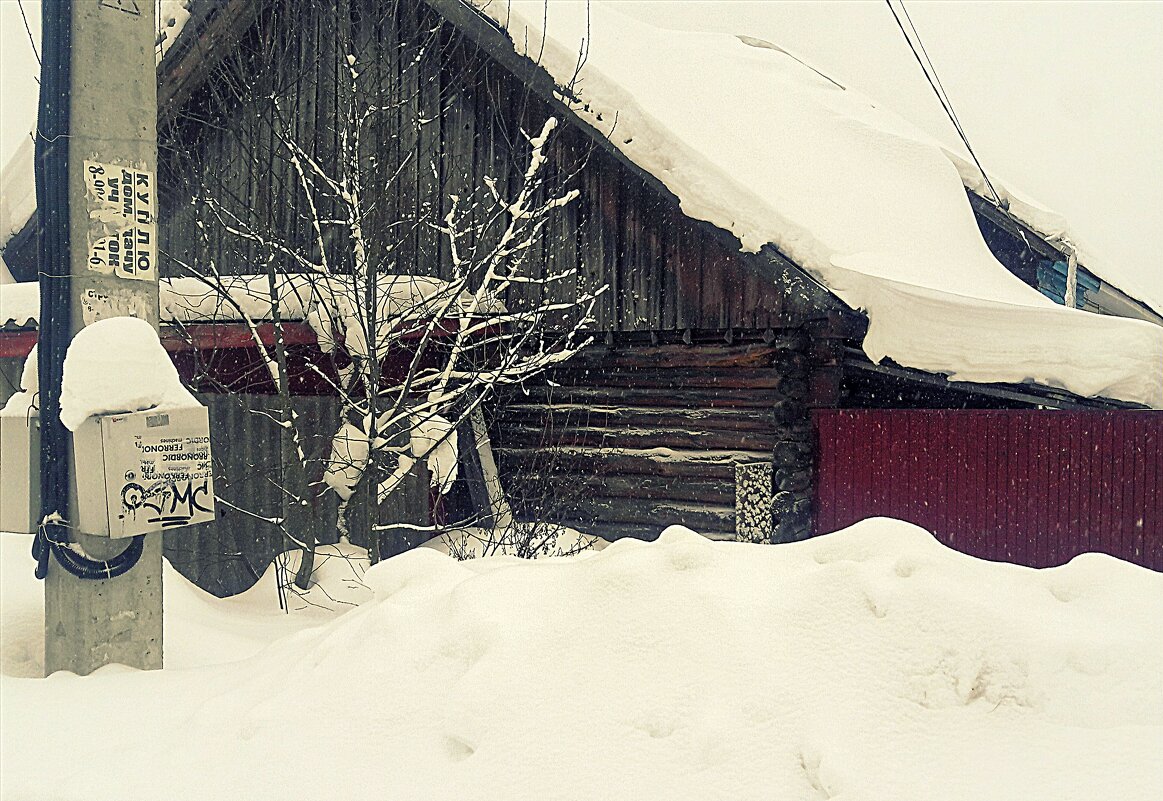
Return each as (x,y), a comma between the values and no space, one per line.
(868,664)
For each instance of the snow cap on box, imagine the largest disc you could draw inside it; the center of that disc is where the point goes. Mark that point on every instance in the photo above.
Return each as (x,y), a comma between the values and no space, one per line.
(118,365)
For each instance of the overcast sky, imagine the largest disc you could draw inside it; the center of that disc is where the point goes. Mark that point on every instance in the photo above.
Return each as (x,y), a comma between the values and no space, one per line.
(1061,100)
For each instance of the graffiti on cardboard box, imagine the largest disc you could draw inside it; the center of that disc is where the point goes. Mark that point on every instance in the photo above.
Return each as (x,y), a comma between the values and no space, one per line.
(171,484)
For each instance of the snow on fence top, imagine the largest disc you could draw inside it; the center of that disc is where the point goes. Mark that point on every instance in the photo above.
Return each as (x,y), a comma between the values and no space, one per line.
(307,298)
(754,141)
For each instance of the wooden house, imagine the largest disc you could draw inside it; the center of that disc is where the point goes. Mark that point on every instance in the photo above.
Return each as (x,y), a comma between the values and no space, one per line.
(707,359)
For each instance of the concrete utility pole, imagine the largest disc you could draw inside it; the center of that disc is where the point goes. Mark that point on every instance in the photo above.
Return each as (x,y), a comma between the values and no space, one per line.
(97,200)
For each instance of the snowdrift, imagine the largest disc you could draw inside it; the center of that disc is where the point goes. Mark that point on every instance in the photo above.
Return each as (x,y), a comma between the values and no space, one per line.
(868,664)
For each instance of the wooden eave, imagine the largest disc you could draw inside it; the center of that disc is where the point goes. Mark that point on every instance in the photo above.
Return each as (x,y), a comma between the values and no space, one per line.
(1015,227)
(211,33)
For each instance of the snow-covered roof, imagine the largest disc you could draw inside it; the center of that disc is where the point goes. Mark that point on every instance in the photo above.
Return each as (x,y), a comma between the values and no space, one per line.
(755,141)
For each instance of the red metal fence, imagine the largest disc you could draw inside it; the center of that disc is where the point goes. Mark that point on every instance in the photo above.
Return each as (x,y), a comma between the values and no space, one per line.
(1026,486)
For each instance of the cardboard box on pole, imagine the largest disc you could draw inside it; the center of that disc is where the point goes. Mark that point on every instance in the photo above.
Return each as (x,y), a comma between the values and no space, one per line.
(143,472)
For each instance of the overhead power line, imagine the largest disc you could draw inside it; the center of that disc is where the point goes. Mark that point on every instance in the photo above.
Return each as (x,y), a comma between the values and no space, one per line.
(935,83)
(28,30)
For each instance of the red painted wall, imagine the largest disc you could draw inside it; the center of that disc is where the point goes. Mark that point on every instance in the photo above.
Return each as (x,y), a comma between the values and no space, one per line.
(1026,486)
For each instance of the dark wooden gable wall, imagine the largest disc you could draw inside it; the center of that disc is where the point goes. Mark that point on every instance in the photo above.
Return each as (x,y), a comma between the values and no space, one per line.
(456,118)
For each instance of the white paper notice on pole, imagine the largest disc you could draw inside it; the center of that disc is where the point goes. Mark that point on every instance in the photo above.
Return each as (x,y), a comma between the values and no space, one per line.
(122,220)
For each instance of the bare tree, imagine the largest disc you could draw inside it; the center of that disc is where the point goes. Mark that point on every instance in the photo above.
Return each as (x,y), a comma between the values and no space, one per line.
(413,356)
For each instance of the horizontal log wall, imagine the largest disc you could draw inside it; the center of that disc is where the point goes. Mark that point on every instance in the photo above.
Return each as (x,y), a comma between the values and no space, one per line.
(626,440)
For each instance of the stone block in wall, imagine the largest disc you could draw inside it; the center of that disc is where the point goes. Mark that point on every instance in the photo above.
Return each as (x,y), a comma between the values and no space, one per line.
(789,412)
(792,453)
(793,387)
(790,479)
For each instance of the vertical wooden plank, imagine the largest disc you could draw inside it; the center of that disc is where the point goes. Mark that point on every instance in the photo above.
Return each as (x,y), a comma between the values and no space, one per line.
(1051,514)
(564,237)
(588,234)
(1134,482)
(667,268)
(1059,486)
(1112,536)
(643,279)
(686,263)
(991,546)
(1120,478)
(429,158)
(852,495)
(1026,443)
(456,144)
(1014,491)
(825,473)
(928,469)
(1083,484)
(710,285)
(1126,481)
(843,492)
(1047,466)
(864,465)
(879,477)
(902,491)
(1005,489)
(656,264)
(1072,485)
(748,312)
(1025,498)
(1066,478)
(967,477)
(910,504)
(611,206)
(1104,441)
(958,479)
(827,470)
(1063,479)
(1153,492)
(857,485)
(1095,489)
(632,269)
(924,429)
(402,240)
(1138,459)
(985,506)
(936,450)
(949,457)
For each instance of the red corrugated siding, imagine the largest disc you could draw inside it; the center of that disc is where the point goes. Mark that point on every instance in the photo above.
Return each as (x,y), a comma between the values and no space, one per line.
(1026,486)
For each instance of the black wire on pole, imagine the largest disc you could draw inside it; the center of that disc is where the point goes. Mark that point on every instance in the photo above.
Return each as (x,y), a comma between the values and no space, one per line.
(930,72)
(54,260)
